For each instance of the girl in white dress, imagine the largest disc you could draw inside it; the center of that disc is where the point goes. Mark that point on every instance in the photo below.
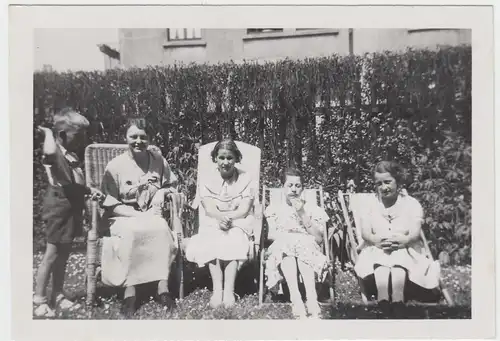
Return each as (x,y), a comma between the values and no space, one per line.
(392,247)
(223,241)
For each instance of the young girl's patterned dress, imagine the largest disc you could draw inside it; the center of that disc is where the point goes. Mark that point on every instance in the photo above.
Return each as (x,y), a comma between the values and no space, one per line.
(396,219)
(292,240)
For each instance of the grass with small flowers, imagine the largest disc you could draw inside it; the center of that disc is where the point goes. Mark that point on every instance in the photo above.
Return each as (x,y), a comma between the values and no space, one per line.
(195,304)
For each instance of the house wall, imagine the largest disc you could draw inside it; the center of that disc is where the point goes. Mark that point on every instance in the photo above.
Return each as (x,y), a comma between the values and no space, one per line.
(142,47)
(369,40)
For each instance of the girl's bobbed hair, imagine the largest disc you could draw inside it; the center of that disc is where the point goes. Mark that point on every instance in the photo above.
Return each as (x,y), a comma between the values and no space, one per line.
(397,171)
(227,144)
(292,171)
(138,122)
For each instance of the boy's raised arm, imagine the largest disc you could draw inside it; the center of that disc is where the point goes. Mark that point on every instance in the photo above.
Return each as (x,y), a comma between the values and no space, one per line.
(49,143)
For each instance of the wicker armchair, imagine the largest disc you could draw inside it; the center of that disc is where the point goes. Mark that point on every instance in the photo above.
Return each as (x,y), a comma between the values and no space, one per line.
(97,156)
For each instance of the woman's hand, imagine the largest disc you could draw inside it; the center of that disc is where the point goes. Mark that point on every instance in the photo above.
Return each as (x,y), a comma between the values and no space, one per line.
(225,223)
(393,242)
(96,194)
(297,204)
(385,244)
(399,241)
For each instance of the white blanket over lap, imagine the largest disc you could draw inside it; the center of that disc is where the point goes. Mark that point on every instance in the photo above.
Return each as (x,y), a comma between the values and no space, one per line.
(139,250)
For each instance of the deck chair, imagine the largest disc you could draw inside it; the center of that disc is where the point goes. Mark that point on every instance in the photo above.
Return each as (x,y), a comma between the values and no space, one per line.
(250,162)
(97,156)
(274,196)
(352,207)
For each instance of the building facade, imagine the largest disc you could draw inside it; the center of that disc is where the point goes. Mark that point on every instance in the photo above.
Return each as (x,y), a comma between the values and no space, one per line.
(143,47)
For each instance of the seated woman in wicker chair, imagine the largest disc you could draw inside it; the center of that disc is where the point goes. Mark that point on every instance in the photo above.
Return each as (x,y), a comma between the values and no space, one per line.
(223,242)
(142,246)
(391,249)
(296,229)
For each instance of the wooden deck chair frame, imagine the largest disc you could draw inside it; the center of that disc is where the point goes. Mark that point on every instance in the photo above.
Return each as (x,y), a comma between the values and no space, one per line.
(97,156)
(250,162)
(277,196)
(354,240)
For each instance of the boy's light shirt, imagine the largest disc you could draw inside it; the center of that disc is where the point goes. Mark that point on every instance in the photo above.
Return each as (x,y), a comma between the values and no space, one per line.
(73,163)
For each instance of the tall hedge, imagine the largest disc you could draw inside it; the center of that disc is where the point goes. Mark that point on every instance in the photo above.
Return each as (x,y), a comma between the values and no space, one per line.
(333,116)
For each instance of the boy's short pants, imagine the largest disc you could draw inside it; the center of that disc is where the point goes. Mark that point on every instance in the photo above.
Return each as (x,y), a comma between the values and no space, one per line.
(63,213)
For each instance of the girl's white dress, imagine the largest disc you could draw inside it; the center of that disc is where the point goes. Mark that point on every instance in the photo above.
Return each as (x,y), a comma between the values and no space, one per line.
(211,242)
(294,241)
(406,212)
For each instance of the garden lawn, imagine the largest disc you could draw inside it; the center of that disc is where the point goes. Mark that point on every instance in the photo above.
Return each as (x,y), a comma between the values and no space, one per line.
(195,305)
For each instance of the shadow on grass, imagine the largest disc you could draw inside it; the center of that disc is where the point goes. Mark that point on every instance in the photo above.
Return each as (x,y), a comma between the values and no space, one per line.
(194,279)
(359,311)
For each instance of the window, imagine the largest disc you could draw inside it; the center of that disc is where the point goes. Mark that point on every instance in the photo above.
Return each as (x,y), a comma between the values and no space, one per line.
(263,30)
(419,30)
(176,34)
(282,33)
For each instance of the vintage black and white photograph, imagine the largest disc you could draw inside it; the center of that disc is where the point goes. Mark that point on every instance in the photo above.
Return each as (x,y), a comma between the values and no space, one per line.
(259,173)
(305,172)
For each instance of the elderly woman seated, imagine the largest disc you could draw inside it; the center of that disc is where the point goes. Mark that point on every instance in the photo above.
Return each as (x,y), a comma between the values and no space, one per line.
(296,228)
(391,250)
(141,246)
(223,242)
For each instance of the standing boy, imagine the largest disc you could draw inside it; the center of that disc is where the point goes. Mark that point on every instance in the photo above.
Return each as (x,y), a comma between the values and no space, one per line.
(62,207)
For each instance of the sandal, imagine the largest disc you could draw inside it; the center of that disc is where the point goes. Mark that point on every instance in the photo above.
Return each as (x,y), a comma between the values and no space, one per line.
(42,309)
(63,303)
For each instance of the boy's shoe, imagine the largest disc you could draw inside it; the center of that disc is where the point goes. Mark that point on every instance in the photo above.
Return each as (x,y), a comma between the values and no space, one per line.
(42,309)
(61,302)
(313,309)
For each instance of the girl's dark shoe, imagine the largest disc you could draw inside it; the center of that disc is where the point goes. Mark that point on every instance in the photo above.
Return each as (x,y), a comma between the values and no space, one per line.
(398,310)
(129,307)
(166,300)
(385,307)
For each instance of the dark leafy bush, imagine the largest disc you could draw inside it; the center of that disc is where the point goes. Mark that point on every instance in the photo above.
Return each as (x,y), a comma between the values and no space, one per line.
(333,116)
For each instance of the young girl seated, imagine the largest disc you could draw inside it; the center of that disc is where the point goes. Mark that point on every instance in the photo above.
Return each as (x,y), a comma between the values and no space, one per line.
(391,249)
(223,242)
(296,228)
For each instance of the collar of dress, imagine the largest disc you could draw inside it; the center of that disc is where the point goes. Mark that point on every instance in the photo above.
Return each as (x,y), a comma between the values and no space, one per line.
(71,157)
